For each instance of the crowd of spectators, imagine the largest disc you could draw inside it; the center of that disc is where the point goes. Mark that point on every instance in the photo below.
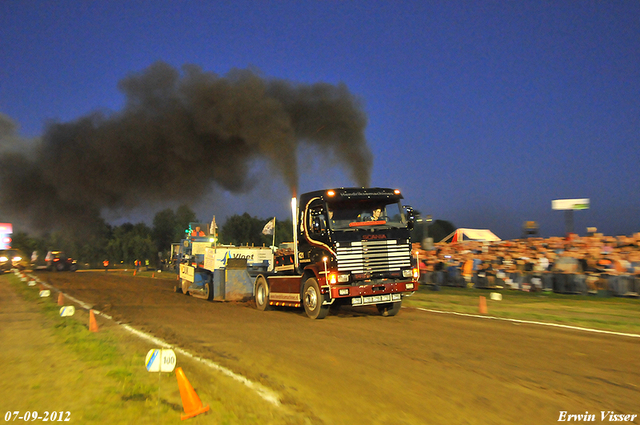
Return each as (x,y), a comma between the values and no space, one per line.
(573,265)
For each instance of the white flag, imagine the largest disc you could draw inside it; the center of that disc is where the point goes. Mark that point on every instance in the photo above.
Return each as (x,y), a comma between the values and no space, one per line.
(268,228)
(212,229)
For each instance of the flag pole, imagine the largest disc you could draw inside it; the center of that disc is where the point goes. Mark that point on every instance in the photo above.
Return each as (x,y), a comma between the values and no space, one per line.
(273,243)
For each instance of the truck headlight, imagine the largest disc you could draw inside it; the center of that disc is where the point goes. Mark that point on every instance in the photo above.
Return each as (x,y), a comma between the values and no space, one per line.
(407,273)
(343,278)
(409,286)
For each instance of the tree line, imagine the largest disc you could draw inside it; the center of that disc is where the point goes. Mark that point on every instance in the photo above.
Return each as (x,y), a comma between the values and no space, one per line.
(126,243)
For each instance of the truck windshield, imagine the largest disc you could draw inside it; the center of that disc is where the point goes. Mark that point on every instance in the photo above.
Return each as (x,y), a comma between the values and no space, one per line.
(364,213)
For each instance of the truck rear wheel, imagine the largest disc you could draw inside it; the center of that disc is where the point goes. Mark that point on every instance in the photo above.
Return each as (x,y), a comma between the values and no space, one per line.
(262,294)
(389,309)
(312,300)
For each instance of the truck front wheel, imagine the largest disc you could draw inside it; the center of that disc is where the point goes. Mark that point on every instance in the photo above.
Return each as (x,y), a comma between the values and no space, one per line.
(262,294)
(389,309)
(312,300)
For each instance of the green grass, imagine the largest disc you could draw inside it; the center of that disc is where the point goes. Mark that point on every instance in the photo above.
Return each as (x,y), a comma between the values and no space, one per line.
(120,390)
(612,313)
(101,378)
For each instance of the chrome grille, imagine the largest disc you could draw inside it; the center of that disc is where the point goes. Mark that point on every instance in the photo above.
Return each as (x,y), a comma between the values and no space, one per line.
(373,256)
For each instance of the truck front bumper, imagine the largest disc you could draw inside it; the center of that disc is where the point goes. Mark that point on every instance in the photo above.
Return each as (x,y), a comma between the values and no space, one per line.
(376,299)
(374,293)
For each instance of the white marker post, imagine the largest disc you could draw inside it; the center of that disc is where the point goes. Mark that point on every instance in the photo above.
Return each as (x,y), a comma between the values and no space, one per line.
(160,360)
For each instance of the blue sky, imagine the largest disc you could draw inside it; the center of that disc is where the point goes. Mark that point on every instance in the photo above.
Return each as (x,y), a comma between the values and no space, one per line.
(482,112)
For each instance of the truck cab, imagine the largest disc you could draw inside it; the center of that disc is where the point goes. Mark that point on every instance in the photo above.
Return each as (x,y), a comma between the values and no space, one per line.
(353,246)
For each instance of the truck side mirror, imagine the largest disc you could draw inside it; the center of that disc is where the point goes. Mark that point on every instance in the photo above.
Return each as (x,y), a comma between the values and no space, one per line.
(411,216)
(318,224)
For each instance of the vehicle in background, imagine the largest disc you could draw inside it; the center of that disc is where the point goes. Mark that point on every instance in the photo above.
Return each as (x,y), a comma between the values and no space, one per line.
(6,231)
(58,261)
(12,259)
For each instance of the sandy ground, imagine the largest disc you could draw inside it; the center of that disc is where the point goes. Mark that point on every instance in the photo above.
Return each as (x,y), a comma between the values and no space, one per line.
(356,367)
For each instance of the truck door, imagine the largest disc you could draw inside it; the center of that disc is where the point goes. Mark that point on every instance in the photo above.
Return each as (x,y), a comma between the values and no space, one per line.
(316,232)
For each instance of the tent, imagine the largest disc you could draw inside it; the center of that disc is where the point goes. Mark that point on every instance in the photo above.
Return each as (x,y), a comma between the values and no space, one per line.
(461,235)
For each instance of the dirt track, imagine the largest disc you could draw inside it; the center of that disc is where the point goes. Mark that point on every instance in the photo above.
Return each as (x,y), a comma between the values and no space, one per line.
(356,367)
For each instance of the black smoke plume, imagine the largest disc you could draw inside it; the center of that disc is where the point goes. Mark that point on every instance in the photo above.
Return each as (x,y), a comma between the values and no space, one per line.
(178,134)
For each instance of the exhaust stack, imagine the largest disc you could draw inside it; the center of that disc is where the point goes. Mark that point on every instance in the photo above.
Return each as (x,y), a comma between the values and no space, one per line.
(294,220)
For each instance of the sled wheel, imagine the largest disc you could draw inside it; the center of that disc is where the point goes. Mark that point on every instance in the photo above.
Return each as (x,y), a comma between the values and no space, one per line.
(208,290)
(185,286)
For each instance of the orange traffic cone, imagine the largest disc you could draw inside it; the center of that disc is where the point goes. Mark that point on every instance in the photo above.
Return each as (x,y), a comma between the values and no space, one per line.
(93,325)
(483,305)
(153,275)
(60,298)
(190,401)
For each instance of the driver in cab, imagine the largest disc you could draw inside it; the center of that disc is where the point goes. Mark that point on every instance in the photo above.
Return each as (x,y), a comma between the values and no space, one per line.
(376,215)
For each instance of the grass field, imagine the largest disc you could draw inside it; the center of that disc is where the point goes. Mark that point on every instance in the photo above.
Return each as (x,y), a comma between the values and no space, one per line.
(605,313)
(56,364)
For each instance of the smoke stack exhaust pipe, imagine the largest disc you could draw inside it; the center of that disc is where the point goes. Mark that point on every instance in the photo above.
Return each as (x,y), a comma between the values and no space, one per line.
(294,220)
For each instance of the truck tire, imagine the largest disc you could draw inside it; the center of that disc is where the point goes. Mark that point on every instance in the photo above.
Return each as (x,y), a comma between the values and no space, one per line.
(262,294)
(208,290)
(312,300)
(389,309)
(60,267)
(73,267)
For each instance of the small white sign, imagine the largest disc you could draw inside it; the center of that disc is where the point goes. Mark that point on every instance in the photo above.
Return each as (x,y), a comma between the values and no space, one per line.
(160,360)
(67,311)
(45,293)
(31,283)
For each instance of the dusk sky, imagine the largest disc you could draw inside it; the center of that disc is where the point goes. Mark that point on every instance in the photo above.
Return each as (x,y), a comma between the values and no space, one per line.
(481,112)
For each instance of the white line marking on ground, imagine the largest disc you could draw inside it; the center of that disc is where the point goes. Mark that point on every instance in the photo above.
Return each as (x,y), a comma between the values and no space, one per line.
(265,393)
(557,325)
